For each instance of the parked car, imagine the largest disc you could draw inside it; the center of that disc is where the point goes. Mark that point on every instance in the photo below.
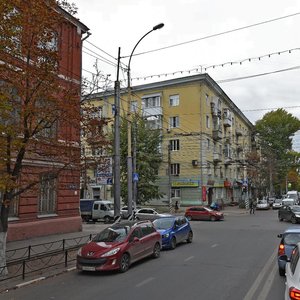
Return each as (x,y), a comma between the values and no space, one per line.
(288,202)
(271,200)
(118,246)
(288,240)
(174,230)
(292,284)
(262,205)
(149,214)
(124,211)
(277,204)
(289,213)
(203,213)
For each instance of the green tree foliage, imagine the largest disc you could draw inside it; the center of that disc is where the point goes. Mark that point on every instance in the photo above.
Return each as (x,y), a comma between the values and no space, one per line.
(148,159)
(276,130)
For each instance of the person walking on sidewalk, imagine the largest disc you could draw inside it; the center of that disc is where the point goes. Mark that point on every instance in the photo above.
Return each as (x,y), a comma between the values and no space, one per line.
(252,207)
(176,207)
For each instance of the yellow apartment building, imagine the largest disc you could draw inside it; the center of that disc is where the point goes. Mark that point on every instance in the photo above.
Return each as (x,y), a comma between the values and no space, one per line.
(205,138)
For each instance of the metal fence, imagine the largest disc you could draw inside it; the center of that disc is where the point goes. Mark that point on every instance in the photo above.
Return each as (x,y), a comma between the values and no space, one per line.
(34,259)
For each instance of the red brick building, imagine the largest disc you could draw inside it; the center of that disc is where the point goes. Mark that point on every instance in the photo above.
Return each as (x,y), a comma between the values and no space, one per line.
(52,205)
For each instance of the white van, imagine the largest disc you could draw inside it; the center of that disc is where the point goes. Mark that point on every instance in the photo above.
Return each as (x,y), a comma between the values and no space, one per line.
(293,195)
(103,210)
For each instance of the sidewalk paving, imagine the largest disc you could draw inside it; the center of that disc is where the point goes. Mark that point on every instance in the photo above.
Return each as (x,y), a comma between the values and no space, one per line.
(87,229)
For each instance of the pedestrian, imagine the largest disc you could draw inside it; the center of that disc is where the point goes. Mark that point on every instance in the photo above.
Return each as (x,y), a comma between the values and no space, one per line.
(252,207)
(176,207)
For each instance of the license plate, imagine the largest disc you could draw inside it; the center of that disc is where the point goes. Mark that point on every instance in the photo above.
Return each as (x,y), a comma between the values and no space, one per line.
(85,268)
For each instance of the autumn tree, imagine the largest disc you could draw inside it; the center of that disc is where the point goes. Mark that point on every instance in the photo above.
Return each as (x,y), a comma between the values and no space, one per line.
(36,102)
(276,130)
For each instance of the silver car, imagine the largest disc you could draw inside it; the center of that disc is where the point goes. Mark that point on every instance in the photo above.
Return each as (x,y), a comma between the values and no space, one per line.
(292,273)
(149,214)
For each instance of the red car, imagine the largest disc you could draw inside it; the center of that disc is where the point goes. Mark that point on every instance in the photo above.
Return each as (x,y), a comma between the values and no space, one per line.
(118,246)
(203,213)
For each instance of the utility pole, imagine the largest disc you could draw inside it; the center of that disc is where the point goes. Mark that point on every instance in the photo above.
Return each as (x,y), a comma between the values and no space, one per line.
(117,189)
(169,176)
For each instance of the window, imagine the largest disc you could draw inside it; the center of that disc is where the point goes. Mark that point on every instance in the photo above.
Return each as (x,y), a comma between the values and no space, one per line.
(147,229)
(174,100)
(175,169)
(134,106)
(175,193)
(207,122)
(174,145)
(207,99)
(47,203)
(208,144)
(151,101)
(174,122)
(294,259)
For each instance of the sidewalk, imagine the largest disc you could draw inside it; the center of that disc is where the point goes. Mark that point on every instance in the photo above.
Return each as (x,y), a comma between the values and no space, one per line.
(87,229)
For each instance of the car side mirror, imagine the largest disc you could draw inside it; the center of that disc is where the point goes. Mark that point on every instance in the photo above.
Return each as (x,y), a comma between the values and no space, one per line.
(284,258)
(279,235)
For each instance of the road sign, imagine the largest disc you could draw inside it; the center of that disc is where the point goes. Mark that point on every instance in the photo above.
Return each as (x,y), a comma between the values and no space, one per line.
(109,181)
(135,177)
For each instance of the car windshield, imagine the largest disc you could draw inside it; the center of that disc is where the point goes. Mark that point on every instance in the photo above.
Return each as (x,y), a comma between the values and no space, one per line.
(109,234)
(262,202)
(163,223)
(291,238)
(287,202)
(278,201)
(296,208)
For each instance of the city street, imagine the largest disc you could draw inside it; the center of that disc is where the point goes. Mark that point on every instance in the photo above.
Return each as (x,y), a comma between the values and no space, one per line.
(233,259)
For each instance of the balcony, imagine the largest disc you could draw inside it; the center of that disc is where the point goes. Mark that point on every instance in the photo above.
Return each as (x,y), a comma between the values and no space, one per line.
(152,111)
(227,119)
(238,132)
(217,134)
(217,157)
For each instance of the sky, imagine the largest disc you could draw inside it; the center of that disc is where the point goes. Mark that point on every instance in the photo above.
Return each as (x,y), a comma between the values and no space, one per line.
(254,46)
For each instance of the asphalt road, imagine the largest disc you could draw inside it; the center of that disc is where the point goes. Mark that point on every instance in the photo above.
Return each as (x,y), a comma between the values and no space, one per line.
(233,259)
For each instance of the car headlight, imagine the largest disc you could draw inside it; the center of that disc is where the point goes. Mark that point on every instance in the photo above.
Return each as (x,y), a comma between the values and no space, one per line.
(165,236)
(111,252)
(297,215)
(79,251)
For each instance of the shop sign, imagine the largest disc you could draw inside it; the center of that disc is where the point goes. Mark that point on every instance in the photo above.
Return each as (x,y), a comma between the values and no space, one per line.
(187,183)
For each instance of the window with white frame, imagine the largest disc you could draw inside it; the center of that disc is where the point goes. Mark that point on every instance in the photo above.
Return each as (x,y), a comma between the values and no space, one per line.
(175,193)
(174,100)
(207,122)
(208,144)
(175,169)
(151,101)
(47,198)
(174,122)
(174,145)
(207,100)
(134,106)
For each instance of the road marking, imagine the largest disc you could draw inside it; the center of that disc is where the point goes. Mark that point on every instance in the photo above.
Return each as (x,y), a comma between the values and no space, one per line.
(214,245)
(189,258)
(255,285)
(268,284)
(145,281)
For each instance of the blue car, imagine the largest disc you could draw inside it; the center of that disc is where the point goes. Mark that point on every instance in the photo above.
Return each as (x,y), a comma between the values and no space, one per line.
(289,240)
(174,230)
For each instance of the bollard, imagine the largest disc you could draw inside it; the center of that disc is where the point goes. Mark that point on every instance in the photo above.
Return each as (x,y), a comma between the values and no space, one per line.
(23,271)
(66,258)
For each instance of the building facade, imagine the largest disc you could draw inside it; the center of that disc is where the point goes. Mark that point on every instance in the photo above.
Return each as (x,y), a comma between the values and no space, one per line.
(52,205)
(206,138)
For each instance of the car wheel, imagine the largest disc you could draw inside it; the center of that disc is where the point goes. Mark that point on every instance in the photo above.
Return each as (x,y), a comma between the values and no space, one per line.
(173,243)
(124,263)
(106,219)
(156,250)
(213,218)
(189,218)
(293,220)
(190,237)
(281,272)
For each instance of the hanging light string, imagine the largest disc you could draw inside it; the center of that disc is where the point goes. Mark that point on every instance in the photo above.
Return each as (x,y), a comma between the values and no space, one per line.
(201,68)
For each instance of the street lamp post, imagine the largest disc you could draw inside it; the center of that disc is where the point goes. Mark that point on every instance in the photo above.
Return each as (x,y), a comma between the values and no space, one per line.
(129,155)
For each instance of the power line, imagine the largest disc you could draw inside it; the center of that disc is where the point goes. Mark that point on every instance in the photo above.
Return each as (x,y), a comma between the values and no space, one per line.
(217,34)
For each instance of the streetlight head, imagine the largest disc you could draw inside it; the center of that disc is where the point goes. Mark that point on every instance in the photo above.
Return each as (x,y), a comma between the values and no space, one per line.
(158,26)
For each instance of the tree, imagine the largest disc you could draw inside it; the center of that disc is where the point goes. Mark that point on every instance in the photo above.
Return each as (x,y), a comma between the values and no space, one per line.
(148,159)
(39,111)
(276,130)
